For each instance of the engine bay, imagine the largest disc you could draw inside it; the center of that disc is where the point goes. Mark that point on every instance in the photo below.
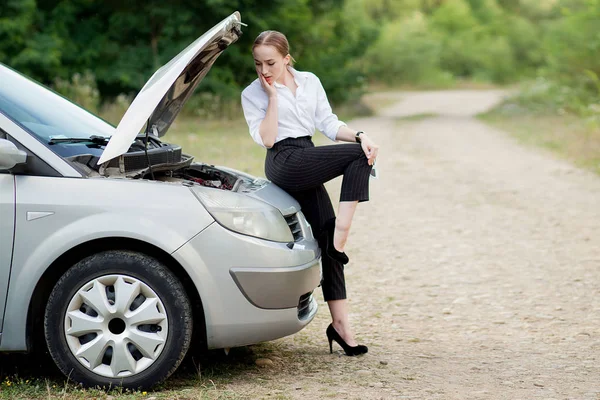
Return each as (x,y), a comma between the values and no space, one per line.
(205,175)
(159,161)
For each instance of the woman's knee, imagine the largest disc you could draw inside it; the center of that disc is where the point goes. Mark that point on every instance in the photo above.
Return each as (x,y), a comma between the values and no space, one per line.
(360,154)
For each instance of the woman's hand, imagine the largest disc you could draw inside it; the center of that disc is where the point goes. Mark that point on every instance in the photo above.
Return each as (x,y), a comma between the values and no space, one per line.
(269,88)
(370,149)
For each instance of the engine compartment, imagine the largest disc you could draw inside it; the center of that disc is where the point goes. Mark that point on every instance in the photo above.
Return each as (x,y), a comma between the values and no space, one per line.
(202,174)
(162,162)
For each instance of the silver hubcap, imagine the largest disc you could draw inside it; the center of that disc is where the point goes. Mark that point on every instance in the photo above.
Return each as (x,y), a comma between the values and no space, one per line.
(116,326)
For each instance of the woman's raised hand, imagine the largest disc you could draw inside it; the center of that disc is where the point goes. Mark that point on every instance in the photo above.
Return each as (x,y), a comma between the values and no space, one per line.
(370,149)
(268,87)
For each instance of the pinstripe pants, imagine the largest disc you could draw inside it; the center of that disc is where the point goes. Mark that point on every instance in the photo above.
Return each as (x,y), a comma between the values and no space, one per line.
(301,169)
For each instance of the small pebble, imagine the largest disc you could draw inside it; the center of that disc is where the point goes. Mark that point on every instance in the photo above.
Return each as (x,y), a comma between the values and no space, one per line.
(383,362)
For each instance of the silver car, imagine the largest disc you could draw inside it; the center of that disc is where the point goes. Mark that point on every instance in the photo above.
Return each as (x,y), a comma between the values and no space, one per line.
(118,250)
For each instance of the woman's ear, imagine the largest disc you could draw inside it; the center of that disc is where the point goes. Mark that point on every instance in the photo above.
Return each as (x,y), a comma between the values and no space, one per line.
(286,59)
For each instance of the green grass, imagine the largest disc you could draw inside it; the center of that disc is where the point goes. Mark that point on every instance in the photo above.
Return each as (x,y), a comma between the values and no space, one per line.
(204,376)
(568,136)
(225,143)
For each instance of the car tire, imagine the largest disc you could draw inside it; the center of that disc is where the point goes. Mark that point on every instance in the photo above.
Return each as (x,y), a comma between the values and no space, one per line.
(118,318)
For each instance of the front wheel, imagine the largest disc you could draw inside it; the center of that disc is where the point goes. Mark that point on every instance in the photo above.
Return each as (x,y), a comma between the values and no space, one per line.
(118,318)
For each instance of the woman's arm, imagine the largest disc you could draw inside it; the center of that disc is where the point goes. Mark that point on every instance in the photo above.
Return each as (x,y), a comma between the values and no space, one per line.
(346,134)
(268,126)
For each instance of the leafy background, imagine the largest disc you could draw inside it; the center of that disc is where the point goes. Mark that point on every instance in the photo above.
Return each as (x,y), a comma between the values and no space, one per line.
(110,47)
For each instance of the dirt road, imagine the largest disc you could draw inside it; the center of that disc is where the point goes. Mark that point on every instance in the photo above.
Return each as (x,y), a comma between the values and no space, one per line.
(474,273)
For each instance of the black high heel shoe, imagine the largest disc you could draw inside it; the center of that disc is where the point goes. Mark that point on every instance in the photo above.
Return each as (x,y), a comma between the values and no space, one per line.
(332,335)
(329,230)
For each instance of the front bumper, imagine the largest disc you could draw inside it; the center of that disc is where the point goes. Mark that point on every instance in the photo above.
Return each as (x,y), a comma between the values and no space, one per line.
(275,288)
(252,290)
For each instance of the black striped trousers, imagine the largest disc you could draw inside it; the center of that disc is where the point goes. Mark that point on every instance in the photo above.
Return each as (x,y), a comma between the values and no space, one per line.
(301,169)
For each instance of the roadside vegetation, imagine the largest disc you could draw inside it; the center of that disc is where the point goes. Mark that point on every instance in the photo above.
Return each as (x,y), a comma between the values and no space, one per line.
(198,377)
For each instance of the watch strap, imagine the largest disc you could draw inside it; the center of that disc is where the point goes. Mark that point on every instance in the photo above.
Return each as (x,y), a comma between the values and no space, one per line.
(357,136)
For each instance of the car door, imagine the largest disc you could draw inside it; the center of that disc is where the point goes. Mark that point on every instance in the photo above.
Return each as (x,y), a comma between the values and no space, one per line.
(7,229)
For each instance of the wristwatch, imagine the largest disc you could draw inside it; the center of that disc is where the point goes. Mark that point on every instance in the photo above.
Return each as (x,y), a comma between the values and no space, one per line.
(357,136)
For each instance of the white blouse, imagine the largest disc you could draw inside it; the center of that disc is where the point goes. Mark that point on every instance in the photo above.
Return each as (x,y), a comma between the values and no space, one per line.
(297,116)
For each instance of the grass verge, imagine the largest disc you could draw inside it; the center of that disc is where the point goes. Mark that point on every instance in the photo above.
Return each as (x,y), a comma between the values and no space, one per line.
(204,376)
(569,136)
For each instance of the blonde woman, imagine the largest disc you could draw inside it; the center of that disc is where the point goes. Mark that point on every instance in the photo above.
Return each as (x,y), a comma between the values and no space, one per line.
(283,107)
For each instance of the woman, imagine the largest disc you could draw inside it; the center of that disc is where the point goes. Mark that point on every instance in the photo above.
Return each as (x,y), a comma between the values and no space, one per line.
(282,108)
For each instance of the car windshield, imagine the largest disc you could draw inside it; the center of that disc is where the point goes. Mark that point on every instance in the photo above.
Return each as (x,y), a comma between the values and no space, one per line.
(44,113)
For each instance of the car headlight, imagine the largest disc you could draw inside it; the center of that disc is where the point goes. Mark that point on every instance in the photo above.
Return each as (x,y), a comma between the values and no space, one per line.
(244,214)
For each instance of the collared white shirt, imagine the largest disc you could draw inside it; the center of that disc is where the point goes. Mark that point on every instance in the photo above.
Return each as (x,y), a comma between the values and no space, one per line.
(297,115)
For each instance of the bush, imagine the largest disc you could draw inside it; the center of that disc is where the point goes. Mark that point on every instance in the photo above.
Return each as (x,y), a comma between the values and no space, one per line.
(548,97)
(494,60)
(569,81)
(81,89)
(406,52)
(572,45)
(113,110)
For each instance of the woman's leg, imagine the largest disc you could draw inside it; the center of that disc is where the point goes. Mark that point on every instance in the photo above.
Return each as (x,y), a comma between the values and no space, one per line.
(317,208)
(343,222)
(339,317)
(307,168)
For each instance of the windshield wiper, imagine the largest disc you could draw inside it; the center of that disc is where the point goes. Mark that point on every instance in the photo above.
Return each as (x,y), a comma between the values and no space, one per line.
(92,139)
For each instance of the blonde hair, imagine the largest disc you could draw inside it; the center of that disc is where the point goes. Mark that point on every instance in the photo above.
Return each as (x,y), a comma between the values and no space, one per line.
(275,39)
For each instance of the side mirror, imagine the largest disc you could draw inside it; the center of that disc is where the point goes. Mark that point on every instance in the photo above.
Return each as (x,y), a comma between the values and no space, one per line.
(10,155)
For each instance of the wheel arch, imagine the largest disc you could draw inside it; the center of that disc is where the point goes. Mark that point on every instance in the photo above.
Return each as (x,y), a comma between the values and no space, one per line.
(35,315)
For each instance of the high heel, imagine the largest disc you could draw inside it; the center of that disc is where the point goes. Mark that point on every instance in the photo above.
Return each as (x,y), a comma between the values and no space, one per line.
(329,230)
(332,335)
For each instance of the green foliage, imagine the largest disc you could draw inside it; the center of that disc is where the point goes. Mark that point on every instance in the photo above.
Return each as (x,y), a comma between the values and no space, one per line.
(345,42)
(406,52)
(572,45)
(490,40)
(124,42)
(339,48)
(568,79)
(453,16)
(81,89)
(29,49)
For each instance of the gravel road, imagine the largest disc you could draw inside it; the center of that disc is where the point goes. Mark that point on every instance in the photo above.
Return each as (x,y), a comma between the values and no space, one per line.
(474,273)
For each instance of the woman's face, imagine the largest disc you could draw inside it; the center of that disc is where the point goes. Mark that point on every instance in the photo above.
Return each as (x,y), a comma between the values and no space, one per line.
(270,63)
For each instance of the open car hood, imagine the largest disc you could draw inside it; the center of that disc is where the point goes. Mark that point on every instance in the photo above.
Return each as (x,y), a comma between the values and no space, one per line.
(165,93)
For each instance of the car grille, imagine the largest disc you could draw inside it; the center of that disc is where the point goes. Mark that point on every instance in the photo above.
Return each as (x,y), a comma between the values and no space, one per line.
(294,224)
(305,305)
